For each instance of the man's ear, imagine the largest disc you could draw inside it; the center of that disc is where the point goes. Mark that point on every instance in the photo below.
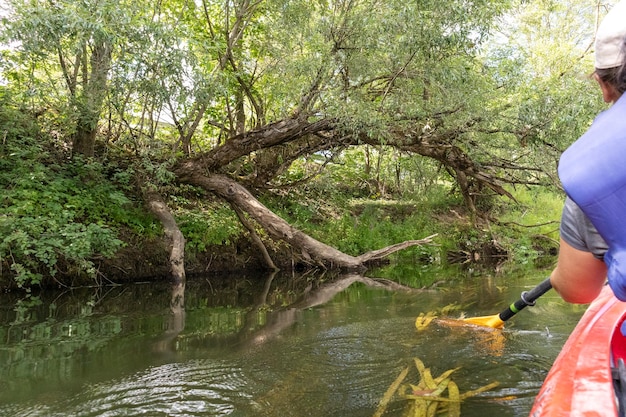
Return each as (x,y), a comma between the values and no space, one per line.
(609,93)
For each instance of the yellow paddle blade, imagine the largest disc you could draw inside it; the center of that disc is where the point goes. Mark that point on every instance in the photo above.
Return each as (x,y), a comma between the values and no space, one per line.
(488,321)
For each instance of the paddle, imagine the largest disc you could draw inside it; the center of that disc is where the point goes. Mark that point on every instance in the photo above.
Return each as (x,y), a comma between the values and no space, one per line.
(527,299)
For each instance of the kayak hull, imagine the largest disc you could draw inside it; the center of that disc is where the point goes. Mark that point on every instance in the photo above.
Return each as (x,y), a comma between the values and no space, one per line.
(580,382)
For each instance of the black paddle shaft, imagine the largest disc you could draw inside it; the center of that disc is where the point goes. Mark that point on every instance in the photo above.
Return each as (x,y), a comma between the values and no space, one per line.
(527,298)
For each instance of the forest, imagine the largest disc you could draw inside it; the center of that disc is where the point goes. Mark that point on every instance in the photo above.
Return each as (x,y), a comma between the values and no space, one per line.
(143,139)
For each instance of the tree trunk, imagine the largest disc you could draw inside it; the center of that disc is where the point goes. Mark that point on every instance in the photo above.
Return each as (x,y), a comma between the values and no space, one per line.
(90,103)
(176,240)
(84,140)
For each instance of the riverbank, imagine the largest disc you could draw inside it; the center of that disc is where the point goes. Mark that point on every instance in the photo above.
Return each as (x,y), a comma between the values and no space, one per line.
(70,222)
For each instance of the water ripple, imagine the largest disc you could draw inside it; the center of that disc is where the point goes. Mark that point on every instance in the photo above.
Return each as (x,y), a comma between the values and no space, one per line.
(195,388)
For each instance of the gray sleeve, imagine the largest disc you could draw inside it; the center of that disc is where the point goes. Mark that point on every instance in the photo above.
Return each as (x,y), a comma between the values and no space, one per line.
(578,232)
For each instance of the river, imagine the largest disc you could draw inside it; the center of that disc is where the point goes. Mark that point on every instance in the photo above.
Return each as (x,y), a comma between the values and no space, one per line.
(273,345)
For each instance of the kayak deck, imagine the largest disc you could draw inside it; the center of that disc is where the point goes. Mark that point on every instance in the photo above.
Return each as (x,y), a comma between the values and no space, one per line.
(581,380)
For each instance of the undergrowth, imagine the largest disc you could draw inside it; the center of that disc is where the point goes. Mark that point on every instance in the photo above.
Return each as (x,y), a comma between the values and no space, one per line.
(56,215)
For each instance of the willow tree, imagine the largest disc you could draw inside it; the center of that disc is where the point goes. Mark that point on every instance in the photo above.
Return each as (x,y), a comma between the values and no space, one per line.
(333,75)
(249,87)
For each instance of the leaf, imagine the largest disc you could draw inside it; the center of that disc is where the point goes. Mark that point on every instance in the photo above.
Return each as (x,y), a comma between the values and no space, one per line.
(445,375)
(479,390)
(454,409)
(423,320)
(382,406)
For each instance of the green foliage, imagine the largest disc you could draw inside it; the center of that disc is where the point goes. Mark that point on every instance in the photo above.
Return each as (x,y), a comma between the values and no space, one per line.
(544,59)
(529,231)
(526,231)
(204,226)
(355,226)
(375,224)
(55,214)
(47,217)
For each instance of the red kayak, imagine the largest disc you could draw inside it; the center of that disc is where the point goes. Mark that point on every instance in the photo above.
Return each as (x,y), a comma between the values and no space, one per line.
(588,378)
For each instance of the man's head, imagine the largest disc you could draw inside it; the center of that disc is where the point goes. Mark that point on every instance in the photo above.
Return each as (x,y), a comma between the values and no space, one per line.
(610,54)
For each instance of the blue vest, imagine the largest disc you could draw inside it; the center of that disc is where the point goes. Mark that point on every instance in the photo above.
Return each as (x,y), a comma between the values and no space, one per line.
(593,173)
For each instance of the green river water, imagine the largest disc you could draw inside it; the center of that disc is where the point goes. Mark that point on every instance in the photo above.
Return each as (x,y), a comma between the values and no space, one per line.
(274,346)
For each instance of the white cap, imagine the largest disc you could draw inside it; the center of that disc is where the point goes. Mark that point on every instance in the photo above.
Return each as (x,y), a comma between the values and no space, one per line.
(611,37)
